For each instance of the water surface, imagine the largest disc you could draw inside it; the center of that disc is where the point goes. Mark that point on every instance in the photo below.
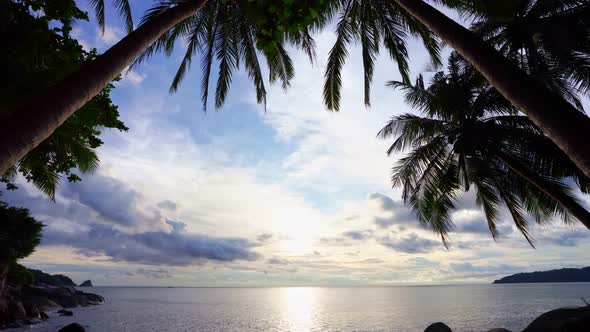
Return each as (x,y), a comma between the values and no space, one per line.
(464,308)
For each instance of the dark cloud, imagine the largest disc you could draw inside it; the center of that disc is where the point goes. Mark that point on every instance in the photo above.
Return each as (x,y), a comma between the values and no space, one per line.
(113,200)
(167,205)
(398,212)
(265,237)
(411,244)
(174,248)
(478,224)
(358,235)
(177,226)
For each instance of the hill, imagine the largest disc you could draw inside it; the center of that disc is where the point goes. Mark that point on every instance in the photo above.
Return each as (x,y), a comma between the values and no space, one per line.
(561,275)
(42,278)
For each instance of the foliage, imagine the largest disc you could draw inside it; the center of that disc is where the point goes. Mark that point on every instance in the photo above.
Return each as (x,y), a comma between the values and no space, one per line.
(19,275)
(372,23)
(273,18)
(548,39)
(123,8)
(38,54)
(19,233)
(222,32)
(470,136)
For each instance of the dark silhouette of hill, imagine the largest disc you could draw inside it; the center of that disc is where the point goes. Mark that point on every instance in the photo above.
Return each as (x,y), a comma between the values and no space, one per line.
(561,275)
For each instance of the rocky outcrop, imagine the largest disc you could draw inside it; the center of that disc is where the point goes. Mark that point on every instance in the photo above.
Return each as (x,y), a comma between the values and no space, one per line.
(438,327)
(562,320)
(31,304)
(86,283)
(74,327)
(559,320)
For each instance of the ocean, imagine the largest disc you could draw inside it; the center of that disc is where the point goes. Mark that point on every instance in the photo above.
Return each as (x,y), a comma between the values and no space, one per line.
(409,308)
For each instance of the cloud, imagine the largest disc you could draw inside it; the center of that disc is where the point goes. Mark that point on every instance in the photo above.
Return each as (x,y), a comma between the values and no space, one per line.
(278,261)
(358,235)
(473,221)
(176,248)
(112,199)
(133,77)
(110,36)
(568,238)
(411,244)
(167,205)
(154,273)
(392,212)
(265,237)
(177,226)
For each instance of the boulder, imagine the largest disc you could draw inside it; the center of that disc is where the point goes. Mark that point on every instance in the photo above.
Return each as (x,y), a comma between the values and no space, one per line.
(560,320)
(64,312)
(93,299)
(74,327)
(86,283)
(438,327)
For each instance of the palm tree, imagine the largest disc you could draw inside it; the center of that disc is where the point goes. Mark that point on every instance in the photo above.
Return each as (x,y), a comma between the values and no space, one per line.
(470,136)
(556,117)
(547,39)
(24,127)
(122,6)
(372,22)
(221,31)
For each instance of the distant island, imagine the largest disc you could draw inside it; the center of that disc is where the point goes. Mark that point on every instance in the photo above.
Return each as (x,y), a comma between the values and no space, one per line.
(561,275)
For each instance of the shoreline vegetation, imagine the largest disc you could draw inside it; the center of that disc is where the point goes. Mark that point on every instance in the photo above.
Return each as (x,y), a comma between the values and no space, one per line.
(560,275)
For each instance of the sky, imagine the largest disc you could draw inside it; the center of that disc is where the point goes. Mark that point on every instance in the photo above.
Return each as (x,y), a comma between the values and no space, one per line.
(294,196)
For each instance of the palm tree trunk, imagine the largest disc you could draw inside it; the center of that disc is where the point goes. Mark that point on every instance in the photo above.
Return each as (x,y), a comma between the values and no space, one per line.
(558,119)
(566,201)
(23,129)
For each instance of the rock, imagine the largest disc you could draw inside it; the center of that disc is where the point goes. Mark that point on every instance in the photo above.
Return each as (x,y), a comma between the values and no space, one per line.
(17,310)
(86,283)
(74,327)
(93,299)
(561,320)
(64,312)
(43,315)
(438,327)
(31,309)
(499,330)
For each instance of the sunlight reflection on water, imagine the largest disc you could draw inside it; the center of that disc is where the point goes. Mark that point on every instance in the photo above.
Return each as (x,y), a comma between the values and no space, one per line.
(299,307)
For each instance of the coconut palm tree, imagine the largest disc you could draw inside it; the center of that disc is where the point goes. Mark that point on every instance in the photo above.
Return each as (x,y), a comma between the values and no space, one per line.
(123,8)
(221,31)
(372,23)
(38,118)
(548,39)
(556,117)
(25,126)
(470,137)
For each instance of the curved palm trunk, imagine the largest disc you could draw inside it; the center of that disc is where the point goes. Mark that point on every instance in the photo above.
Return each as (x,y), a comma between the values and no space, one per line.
(559,120)
(25,128)
(567,202)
